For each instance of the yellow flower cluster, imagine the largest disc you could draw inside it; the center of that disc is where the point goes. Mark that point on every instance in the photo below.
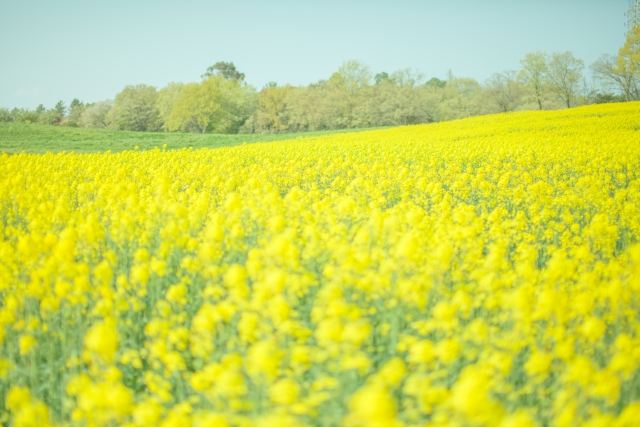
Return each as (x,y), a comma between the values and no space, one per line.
(481,272)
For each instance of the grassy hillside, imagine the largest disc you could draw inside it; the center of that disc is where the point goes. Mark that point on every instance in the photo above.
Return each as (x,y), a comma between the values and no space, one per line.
(32,138)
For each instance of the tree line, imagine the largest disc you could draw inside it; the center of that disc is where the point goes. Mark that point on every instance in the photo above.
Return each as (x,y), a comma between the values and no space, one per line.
(353,97)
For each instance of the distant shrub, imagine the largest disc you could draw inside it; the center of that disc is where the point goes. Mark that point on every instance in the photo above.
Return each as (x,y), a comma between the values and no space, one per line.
(23,115)
(5,115)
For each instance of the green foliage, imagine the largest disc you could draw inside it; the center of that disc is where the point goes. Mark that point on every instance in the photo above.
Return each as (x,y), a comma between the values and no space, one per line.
(607,98)
(167,98)
(380,77)
(75,103)
(196,107)
(23,115)
(75,111)
(435,82)
(618,73)
(352,97)
(353,75)
(60,109)
(50,117)
(629,54)
(402,99)
(533,74)
(504,91)
(224,69)
(95,115)
(271,116)
(5,115)
(135,109)
(628,65)
(564,77)
(347,93)
(215,105)
(460,98)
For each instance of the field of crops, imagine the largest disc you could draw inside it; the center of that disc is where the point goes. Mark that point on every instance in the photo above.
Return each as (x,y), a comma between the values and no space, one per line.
(481,272)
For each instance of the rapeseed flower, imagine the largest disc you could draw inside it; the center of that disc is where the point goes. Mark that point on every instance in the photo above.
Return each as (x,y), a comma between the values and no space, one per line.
(481,272)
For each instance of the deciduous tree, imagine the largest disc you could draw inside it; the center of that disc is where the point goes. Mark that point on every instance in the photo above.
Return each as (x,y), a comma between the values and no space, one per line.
(95,115)
(399,100)
(504,90)
(272,109)
(380,77)
(344,92)
(534,74)
(75,110)
(629,56)
(167,97)
(565,77)
(135,109)
(224,69)
(616,73)
(436,83)
(216,105)
(630,51)
(196,107)
(459,99)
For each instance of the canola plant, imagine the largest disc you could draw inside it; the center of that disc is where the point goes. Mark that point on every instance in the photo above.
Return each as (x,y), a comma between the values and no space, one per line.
(482,272)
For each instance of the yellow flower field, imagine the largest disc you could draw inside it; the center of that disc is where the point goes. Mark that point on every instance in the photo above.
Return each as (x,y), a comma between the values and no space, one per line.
(481,272)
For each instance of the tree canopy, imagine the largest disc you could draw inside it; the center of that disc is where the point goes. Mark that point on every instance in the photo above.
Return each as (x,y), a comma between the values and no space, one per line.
(135,109)
(353,96)
(225,69)
(564,76)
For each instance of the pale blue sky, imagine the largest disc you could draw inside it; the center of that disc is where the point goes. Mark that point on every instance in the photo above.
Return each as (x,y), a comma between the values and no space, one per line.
(56,49)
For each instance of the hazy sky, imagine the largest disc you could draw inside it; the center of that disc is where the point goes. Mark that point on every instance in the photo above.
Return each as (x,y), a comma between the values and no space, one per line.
(89,49)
